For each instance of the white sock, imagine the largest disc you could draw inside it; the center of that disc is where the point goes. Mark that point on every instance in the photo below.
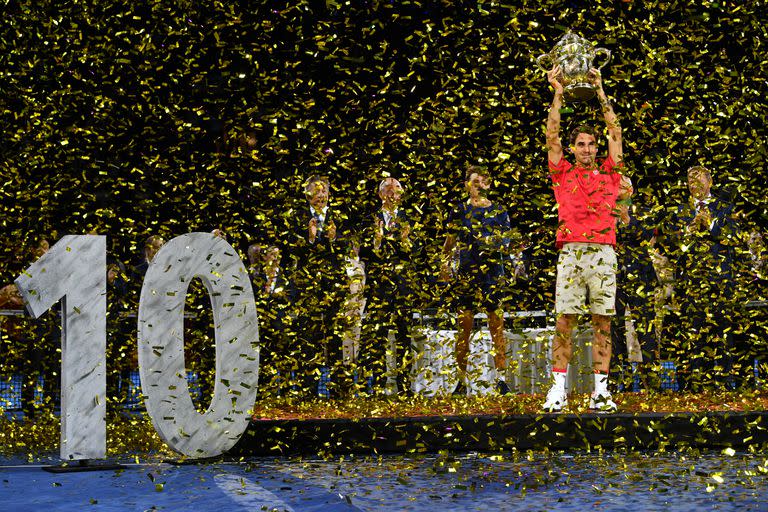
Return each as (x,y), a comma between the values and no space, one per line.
(601,384)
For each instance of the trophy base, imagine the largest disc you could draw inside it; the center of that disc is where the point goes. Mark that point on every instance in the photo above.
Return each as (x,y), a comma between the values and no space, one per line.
(578,92)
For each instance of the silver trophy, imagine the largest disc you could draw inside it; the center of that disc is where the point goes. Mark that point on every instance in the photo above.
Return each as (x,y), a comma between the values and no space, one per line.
(575,56)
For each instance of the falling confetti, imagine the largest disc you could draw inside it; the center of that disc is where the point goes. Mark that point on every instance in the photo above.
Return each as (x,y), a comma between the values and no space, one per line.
(163,118)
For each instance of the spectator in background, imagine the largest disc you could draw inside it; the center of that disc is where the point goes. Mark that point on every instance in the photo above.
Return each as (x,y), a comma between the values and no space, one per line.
(757,314)
(10,298)
(40,248)
(750,322)
(254,258)
(274,297)
(317,247)
(31,344)
(386,251)
(758,254)
(152,245)
(13,333)
(636,284)
(479,232)
(701,244)
(121,352)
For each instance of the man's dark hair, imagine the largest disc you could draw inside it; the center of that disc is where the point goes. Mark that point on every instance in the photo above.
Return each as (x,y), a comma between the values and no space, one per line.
(582,128)
(481,170)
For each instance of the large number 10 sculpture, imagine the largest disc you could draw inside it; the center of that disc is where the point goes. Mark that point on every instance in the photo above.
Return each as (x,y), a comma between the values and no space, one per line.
(74,270)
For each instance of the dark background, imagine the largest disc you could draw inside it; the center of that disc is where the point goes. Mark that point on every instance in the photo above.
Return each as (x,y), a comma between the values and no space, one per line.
(129,119)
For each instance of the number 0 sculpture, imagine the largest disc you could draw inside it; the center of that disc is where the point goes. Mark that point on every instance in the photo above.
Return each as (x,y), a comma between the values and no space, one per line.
(161,344)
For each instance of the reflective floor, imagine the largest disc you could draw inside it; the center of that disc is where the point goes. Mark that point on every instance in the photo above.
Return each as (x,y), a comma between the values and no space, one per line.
(633,482)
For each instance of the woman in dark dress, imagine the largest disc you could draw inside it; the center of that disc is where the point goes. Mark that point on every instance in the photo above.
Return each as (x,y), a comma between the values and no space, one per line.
(478,239)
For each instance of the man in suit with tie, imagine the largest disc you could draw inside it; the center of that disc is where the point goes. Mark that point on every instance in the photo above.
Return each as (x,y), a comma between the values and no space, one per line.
(317,247)
(386,251)
(703,239)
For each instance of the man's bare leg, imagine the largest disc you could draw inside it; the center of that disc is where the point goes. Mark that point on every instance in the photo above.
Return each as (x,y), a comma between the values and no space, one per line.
(601,343)
(562,347)
(601,362)
(496,326)
(466,323)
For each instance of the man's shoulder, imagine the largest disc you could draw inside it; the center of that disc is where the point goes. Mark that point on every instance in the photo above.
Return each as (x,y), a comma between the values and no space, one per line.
(560,166)
(459,208)
(339,212)
(721,203)
(499,209)
(609,163)
(138,271)
(300,213)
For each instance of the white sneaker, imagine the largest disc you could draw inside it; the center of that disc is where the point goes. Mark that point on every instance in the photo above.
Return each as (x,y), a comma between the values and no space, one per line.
(602,403)
(556,399)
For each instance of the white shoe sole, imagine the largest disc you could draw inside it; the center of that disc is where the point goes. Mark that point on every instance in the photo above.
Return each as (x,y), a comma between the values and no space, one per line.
(555,408)
(605,408)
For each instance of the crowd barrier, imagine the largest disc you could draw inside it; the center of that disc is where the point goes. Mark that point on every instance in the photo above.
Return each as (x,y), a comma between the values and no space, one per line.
(528,351)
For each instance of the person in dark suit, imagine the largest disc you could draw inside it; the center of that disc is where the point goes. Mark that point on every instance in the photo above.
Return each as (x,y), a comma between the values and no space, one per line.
(386,251)
(317,247)
(121,349)
(636,283)
(751,315)
(704,236)
(274,297)
(29,344)
(152,245)
(756,340)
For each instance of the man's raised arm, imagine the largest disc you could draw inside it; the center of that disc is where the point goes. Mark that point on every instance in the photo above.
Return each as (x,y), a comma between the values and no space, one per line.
(611,121)
(554,146)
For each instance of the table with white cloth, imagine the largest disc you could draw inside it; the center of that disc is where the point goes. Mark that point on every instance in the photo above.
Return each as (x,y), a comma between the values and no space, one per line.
(528,351)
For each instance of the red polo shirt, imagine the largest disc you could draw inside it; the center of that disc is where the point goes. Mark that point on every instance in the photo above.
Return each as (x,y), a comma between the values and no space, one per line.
(586,202)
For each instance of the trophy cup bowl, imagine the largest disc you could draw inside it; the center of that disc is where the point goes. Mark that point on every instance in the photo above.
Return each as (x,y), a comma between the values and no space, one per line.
(575,56)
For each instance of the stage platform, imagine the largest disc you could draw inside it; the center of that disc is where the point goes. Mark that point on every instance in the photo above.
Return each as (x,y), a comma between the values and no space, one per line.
(742,431)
